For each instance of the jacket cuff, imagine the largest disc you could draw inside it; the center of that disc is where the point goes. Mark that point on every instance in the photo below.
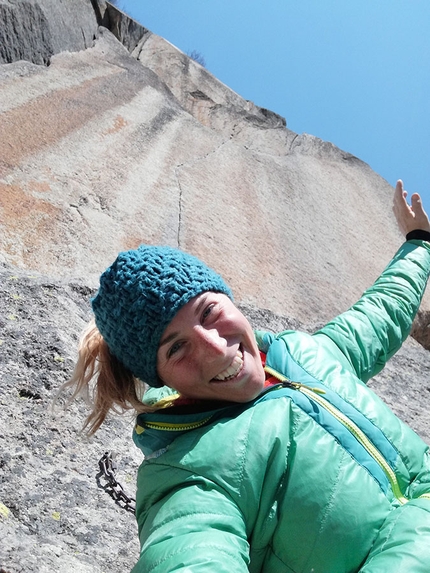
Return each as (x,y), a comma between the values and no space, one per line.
(418,234)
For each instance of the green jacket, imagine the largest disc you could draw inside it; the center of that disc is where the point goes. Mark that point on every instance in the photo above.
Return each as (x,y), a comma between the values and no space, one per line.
(316,475)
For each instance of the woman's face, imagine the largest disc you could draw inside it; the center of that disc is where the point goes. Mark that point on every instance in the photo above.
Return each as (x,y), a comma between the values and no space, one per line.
(209,351)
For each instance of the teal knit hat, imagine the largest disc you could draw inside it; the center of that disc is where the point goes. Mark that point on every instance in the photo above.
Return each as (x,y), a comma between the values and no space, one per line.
(139,295)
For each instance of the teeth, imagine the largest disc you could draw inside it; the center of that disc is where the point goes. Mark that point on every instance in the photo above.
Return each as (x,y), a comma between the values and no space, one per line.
(234,368)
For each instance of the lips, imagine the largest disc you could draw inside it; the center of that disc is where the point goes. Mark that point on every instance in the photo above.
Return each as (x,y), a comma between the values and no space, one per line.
(233,370)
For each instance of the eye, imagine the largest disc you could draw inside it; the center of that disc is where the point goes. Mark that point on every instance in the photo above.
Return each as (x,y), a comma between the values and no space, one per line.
(174,348)
(207,311)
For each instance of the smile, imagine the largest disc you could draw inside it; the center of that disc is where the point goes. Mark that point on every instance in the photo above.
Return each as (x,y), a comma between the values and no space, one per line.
(233,370)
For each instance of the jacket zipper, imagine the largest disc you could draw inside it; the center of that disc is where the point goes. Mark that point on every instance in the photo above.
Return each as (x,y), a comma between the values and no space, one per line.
(175,427)
(315,394)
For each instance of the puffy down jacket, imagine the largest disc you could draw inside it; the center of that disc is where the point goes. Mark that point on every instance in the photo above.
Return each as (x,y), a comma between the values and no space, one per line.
(316,475)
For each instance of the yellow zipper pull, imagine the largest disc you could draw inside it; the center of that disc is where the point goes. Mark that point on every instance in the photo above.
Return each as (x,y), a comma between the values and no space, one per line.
(299,386)
(286,382)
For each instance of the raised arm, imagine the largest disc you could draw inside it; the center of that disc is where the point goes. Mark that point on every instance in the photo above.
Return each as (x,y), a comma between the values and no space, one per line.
(373,329)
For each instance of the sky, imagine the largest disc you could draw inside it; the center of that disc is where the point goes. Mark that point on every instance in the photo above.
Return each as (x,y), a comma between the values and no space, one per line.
(352,72)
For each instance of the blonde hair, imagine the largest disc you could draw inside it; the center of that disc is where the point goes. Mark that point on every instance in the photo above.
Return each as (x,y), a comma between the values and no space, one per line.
(103,381)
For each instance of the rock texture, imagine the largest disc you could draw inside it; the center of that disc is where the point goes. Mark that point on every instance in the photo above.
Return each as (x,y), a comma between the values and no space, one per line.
(34,30)
(53,516)
(106,148)
(110,136)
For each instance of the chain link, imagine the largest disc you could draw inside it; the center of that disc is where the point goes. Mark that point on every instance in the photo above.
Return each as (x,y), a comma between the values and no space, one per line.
(111,486)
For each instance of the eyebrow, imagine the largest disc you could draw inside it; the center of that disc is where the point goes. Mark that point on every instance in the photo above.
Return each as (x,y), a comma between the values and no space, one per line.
(199,306)
(168,339)
(173,335)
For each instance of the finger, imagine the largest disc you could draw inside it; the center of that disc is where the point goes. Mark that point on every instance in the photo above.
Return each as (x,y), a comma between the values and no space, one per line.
(416,200)
(400,205)
(417,206)
(400,195)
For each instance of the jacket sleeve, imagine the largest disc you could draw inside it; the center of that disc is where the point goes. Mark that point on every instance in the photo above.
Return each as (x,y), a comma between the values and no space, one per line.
(197,528)
(373,329)
(403,542)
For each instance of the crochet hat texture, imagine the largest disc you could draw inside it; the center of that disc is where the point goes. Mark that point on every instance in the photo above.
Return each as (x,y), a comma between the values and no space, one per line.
(139,295)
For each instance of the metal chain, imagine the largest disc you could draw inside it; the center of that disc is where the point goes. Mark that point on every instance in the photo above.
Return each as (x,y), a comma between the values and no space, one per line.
(112,486)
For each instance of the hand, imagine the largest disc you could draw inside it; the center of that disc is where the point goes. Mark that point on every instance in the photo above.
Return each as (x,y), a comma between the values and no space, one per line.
(409,218)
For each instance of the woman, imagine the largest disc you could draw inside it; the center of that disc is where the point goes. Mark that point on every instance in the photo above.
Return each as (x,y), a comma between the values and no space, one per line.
(263,453)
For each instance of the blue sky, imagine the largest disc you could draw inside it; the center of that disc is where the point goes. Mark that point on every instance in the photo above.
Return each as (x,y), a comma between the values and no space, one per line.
(356,73)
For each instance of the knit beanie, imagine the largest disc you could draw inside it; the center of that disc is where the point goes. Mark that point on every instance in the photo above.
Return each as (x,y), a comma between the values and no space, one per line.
(139,295)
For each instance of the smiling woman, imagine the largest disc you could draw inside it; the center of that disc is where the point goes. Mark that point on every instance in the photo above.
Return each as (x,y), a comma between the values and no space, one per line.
(263,453)
(209,351)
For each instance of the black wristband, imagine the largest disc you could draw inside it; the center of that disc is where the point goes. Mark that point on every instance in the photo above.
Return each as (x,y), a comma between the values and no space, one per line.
(418,234)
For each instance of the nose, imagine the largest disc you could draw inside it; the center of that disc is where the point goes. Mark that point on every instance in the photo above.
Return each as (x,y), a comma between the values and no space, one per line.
(209,343)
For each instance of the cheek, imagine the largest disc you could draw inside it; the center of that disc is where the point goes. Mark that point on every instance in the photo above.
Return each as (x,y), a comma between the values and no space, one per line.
(176,376)
(164,373)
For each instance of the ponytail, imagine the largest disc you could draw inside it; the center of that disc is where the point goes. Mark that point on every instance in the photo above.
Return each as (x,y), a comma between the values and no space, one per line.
(114,388)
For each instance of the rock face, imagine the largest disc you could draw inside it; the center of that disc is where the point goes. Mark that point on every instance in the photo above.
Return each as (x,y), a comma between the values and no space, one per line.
(110,137)
(34,30)
(105,149)
(53,517)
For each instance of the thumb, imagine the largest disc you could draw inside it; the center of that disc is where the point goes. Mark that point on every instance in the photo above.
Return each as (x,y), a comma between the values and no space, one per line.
(421,218)
(417,206)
